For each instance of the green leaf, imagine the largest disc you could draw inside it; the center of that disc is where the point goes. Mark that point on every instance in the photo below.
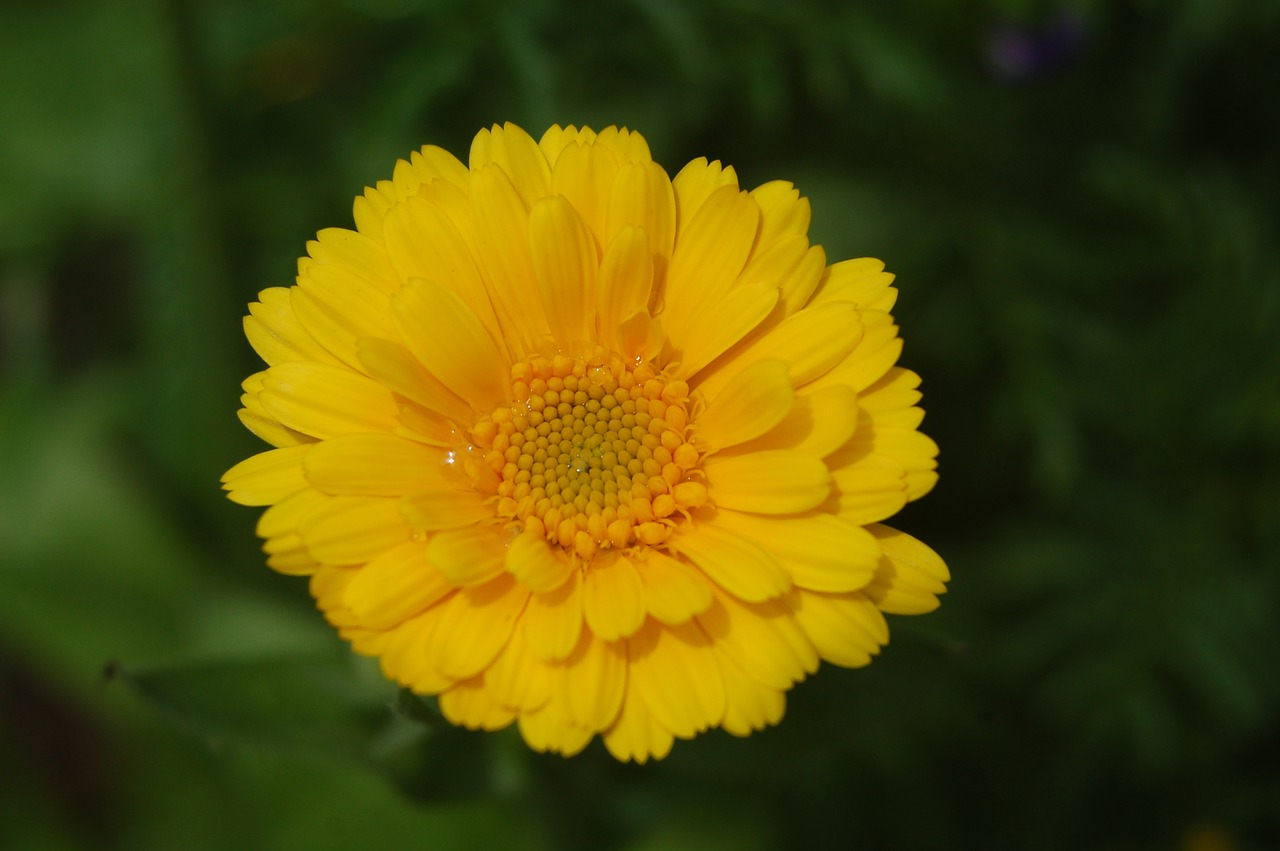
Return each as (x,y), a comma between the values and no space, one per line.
(317,703)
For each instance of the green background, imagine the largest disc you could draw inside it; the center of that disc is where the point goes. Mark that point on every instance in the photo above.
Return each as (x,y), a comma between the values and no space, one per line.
(1080,202)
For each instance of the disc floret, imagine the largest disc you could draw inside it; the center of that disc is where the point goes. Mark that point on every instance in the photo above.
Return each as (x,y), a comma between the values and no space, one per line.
(593,453)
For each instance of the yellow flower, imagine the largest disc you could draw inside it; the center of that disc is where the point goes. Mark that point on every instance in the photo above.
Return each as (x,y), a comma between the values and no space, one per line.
(573,444)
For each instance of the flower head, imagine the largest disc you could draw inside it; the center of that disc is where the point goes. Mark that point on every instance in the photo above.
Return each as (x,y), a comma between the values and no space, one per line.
(573,444)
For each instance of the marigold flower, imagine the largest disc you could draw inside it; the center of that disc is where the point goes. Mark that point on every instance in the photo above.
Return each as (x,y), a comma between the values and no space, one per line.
(573,444)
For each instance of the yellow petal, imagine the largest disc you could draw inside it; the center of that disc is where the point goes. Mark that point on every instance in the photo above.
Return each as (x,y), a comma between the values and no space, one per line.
(406,659)
(469,704)
(517,679)
(778,481)
(287,515)
(811,342)
(565,264)
(557,138)
(324,401)
(376,465)
(791,265)
(749,704)
(673,591)
(862,281)
(475,625)
(366,642)
(371,208)
(675,672)
(394,586)
(783,211)
(392,366)
(876,352)
(444,508)
(267,477)
(553,620)
(869,490)
(756,400)
(819,551)
(338,308)
(254,418)
(627,145)
(424,242)
(548,729)
(451,342)
(818,424)
(892,400)
(640,337)
(798,285)
(613,599)
(591,681)
(356,253)
(468,556)
(287,555)
(425,165)
(910,576)
(583,174)
(626,280)
(847,629)
(636,735)
(708,255)
(916,452)
(501,218)
(275,333)
(735,315)
(734,563)
(263,424)
(514,151)
(912,454)
(763,639)
(353,529)
(533,562)
(642,197)
(328,586)
(696,182)
(425,426)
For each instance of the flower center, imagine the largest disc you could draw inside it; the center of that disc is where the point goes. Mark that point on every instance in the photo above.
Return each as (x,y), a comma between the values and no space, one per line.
(592,453)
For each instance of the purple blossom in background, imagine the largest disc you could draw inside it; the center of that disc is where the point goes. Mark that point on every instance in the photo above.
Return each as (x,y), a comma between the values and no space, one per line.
(1018,52)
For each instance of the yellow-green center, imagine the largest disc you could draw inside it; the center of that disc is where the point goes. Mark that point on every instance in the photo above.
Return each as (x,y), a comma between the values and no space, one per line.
(592,453)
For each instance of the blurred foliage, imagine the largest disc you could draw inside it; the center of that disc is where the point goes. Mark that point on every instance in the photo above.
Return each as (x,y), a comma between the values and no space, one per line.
(1079,200)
